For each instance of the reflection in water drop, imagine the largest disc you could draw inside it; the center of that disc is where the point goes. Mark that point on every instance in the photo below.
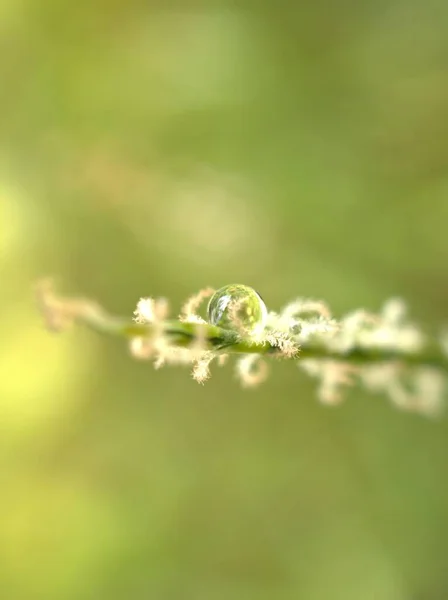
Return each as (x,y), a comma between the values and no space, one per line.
(238,307)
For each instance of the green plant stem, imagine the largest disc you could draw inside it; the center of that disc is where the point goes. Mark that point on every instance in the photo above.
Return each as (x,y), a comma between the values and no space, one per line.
(184,335)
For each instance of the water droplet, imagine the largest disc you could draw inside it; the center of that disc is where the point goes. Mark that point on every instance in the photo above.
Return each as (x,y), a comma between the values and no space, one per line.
(238,307)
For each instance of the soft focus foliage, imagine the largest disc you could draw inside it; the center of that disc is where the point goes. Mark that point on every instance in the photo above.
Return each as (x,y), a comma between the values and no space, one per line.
(152,148)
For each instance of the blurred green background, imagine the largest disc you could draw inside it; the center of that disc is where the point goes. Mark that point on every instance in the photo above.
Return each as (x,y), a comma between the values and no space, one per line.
(155,148)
